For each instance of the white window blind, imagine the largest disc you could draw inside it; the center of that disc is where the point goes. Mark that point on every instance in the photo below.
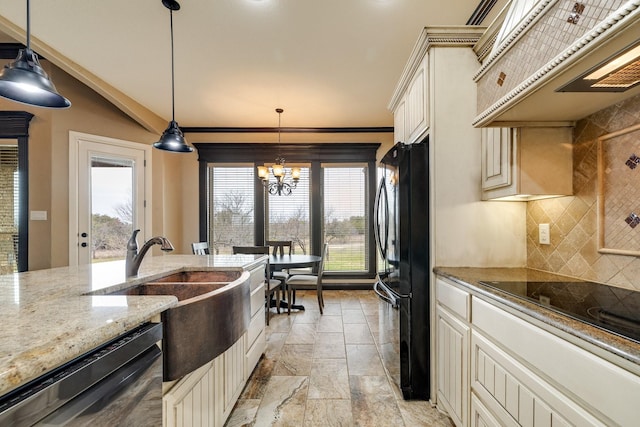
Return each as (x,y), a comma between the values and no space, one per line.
(231,207)
(288,216)
(345,219)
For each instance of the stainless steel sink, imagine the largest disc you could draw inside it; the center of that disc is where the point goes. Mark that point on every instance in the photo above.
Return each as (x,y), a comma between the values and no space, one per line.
(213,312)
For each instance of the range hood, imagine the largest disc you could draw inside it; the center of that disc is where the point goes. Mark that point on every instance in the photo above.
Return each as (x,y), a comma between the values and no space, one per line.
(618,73)
(567,86)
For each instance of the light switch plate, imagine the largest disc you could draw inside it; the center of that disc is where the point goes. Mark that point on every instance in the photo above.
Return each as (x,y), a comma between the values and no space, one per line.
(38,215)
(543,234)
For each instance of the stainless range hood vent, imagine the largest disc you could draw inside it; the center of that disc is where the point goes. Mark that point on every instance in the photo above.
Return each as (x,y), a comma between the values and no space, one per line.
(618,73)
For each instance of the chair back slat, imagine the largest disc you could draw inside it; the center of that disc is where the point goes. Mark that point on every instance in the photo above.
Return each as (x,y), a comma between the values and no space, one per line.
(280,245)
(200,248)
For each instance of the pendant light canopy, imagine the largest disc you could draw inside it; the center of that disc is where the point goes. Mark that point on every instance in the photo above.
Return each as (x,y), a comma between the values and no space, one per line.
(172,138)
(24,80)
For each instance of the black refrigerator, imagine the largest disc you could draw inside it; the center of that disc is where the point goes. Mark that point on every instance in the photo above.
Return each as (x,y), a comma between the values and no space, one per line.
(401,224)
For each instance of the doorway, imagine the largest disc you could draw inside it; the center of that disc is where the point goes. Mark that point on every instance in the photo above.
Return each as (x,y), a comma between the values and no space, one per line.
(109,189)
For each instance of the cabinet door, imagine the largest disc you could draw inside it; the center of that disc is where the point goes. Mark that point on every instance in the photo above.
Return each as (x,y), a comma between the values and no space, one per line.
(190,403)
(399,118)
(416,109)
(453,365)
(496,157)
(229,380)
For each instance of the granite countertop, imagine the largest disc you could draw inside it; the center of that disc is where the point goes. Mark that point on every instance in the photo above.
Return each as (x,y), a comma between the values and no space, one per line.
(470,278)
(52,316)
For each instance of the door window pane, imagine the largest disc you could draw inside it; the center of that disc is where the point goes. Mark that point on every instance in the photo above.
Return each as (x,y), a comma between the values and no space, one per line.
(345,219)
(288,216)
(231,207)
(9,208)
(111,207)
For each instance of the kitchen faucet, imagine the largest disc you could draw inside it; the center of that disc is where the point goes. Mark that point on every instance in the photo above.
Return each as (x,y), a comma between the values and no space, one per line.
(133,260)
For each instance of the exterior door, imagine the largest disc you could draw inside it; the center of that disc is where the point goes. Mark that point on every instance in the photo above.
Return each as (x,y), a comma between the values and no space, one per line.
(110,195)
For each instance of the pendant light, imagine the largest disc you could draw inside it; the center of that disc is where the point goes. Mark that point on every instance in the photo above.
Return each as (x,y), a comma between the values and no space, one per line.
(172,138)
(280,187)
(24,80)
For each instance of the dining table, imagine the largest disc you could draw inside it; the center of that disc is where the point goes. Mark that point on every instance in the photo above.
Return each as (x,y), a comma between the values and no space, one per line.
(285,261)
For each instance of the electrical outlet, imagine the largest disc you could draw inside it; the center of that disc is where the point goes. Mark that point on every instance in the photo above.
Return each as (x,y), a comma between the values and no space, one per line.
(544,236)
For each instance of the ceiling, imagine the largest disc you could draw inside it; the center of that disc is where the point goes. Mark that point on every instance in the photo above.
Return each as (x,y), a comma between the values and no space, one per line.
(329,63)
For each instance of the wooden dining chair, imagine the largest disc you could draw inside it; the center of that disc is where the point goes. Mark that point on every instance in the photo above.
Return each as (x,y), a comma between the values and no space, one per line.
(305,280)
(279,247)
(200,248)
(273,287)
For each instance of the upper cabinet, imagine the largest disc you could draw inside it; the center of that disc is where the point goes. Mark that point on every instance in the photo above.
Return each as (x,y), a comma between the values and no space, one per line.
(413,101)
(411,112)
(527,163)
(542,66)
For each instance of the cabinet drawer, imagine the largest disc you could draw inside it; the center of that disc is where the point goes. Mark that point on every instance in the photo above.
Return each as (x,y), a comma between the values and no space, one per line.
(257,299)
(255,328)
(257,277)
(456,300)
(608,391)
(253,354)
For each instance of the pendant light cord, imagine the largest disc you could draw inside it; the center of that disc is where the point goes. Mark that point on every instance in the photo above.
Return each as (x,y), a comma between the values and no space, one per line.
(173,90)
(28,25)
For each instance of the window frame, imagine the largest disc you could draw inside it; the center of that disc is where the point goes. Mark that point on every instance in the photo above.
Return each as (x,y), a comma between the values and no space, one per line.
(313,154)
(15,125)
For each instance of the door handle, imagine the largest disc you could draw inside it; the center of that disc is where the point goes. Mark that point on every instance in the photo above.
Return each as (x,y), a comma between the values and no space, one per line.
(83,235)
(83,244)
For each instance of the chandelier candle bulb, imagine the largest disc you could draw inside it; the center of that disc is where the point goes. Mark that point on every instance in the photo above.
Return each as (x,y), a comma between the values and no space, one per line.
(263,172)
(295,174)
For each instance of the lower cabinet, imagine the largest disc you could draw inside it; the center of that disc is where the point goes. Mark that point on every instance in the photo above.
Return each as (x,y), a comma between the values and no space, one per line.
(206,396)
(503,370)
(453,384)
(453,332)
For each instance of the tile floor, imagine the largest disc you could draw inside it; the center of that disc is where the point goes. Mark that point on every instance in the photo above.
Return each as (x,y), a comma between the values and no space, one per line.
(329,370)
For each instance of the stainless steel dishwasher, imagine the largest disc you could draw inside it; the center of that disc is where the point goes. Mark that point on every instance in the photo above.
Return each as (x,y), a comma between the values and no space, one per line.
(117,384)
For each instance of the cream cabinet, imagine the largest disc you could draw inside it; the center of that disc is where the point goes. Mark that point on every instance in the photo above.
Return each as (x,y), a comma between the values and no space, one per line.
(411,113)
(512,372)
(526,163)
(453,334)
(206,396)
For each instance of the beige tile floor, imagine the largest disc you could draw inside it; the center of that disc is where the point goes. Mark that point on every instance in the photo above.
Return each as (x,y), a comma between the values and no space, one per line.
(328,370)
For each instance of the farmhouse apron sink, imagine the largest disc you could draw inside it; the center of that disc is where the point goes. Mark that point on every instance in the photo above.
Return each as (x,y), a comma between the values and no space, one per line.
(213,312)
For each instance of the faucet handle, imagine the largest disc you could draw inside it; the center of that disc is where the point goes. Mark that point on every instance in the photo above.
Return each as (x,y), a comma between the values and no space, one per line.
(132,244)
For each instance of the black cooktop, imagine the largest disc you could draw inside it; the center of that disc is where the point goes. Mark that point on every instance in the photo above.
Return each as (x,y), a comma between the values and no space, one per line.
(613,309)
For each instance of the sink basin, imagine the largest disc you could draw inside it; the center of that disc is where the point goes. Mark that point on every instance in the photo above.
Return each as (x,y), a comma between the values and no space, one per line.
(213,312)
(184,285)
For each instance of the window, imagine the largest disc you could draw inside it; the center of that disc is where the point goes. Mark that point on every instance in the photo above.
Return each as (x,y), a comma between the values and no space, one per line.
(332,202)
(288,216)
(345,218)
(231,207)
(9,208)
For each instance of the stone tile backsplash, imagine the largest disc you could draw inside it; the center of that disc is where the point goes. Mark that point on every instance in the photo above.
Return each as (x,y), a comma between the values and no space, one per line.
(573,220)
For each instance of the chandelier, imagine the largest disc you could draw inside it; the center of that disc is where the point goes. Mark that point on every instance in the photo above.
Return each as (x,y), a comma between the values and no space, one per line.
(283,185)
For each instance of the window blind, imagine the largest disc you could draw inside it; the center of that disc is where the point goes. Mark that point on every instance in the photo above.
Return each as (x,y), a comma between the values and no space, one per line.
(345,219)
(231,207)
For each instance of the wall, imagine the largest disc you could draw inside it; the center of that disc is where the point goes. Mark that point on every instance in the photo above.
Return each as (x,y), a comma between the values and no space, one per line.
(466,231)
(573,220)
(49,166)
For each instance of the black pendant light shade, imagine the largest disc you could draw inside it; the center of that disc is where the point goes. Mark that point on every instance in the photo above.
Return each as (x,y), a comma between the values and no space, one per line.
(172,138)
(24,80)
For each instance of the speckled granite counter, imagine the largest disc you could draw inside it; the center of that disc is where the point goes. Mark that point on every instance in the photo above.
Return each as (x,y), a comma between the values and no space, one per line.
(52,316)
(470,277)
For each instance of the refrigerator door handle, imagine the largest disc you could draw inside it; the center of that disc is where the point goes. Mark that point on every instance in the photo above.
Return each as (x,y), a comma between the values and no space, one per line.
(381,208)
